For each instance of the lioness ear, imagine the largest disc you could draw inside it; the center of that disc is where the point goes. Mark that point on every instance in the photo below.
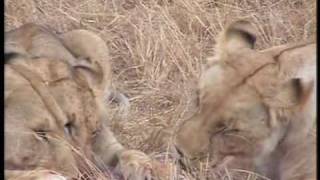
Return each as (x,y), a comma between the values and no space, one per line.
(297,71)
(295,93)
(237,35)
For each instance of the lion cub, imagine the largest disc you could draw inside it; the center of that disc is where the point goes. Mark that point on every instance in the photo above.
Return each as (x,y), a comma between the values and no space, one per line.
(55,117)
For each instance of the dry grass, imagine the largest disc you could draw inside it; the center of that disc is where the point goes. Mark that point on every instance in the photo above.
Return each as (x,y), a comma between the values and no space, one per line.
(159,46)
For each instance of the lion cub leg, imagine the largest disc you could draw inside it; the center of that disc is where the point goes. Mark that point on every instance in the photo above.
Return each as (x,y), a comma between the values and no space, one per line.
(88,46)
(33,175)
(132,164)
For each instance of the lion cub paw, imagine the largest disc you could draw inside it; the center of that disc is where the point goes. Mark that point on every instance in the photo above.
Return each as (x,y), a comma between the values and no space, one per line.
(135,165)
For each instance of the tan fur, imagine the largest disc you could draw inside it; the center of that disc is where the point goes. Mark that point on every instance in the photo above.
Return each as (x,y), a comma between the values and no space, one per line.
(55,116)
(257,107)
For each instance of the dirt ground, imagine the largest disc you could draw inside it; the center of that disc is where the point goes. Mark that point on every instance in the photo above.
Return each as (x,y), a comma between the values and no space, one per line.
(158,48)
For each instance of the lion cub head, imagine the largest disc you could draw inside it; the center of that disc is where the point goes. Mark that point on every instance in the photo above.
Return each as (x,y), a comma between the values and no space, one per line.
(255,106)
(54,99)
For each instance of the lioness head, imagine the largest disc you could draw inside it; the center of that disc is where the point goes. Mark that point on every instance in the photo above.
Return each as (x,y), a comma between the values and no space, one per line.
(253,104)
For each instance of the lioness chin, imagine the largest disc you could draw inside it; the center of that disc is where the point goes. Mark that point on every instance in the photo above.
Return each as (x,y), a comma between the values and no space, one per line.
(257,108)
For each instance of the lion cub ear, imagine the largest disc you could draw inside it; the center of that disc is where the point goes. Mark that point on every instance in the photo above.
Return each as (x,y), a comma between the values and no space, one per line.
(87,75)
(92,57)
(238,35)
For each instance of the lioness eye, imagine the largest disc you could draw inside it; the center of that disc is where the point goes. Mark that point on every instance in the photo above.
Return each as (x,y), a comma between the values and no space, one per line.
(42,134)
(220,127)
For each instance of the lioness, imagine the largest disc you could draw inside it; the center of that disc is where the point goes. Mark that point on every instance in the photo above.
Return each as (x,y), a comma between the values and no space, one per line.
(55,117)
(257,108)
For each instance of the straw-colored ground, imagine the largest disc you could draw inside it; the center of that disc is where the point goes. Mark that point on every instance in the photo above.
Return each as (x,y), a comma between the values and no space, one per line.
(159,46)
